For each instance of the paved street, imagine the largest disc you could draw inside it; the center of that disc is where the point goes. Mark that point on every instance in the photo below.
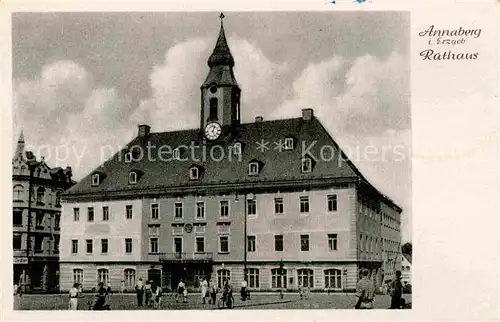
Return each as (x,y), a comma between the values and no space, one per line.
(258,302)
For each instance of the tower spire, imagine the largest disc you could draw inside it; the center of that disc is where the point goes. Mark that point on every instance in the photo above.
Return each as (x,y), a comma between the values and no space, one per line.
(20,145)
(221,55)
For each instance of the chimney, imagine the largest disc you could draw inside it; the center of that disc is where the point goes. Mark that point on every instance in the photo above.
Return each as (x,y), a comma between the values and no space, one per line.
(258,119)
(143,130)
(69,173)
(307,114)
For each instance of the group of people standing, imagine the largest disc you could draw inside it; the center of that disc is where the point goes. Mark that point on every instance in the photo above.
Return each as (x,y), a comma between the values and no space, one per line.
(365,292)
(148,294)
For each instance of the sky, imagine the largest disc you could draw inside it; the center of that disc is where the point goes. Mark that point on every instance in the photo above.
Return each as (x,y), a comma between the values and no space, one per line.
(85,80)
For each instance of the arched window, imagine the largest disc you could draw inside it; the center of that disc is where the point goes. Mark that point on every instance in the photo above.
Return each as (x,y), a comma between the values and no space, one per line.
(253,277)
(18,193)
(222,276)
(333,278)
(40,195)
(305,277)
(278,279)
(78,275)
(129,275)
(103,276)
(213,109)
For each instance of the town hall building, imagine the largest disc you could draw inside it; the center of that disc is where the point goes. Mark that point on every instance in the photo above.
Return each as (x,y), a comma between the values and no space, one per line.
(228,200)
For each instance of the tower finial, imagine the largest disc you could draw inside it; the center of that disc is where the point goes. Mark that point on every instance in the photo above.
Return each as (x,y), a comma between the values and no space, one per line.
(221,17)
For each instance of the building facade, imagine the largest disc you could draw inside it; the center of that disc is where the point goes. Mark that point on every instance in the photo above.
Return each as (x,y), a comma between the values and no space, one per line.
(275,201)
(35,240)
(406,269)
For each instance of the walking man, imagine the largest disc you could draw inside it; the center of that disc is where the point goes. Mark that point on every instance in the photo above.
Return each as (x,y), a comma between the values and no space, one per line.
(396,291)
(365,291)
(244,290)
(73,297)
(203,289)
(139,289)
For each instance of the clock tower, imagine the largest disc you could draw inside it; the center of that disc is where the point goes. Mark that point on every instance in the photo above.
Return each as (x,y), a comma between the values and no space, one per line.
(220,93)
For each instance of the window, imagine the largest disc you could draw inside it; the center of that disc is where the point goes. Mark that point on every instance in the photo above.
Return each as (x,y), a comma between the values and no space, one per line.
(237,148)
(16,242)
(223,244)
(18,193)
(278,205)
(199,229)
(104,246)
(153,245)
(178,210)
(305,276)
(306,165)
(251,243)
(74,246)
(58,198)
(40,195)
(333,278)
(288,143)
(360,242)
(132,177)
(76,214)
(304,204)
(332,202)
(78,276)
(89,246)
(56,244)
(39,219)
(194,173)
(90,214)
(304,243)
(213,109)
(251,207)
(200,210)
(95,179)
(200,244)
(128,157)
(332,241)
(57,221)
(105,213)
(17,218)
(128,211)
(103,276)
(154,211)
(224,208)
(38,244)
(129,277)
(253,277)
(278,278)
(128,245)
(278,243)
(253,168)
(178,244)
(222,276)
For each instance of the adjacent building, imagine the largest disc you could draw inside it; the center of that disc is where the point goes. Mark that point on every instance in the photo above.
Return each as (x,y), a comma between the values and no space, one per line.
(275,200)
(406,269)
(37,189)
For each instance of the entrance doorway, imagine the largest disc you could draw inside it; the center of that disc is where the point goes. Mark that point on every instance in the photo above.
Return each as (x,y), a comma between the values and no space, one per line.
(155,276)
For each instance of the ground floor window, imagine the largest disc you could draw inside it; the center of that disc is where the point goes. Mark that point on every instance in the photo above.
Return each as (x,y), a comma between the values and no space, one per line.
(129,277)
(278,279)
(305,277)
(222,276)
(253,277)
(333,278)
(103,276)
(198,276)
(78,276)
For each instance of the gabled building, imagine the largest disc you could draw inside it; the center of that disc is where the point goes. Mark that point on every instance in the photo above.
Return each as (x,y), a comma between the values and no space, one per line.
(406,269)
(35,240)
(275,200)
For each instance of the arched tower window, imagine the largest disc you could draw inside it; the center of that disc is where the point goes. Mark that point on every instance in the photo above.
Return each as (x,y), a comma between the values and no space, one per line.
(213,109)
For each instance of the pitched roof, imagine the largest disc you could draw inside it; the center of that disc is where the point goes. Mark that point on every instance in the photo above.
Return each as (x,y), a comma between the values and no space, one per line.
(221,54)
(407,257)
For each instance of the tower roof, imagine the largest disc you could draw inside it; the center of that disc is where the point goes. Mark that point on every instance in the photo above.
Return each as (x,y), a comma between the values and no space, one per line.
(221,55)
(20,145)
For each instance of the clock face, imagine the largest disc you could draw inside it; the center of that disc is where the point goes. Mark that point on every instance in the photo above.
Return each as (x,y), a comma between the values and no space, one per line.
(213,131)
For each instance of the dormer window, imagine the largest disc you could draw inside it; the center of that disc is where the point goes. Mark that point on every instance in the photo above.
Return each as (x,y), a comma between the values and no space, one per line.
(96,180)
(194,173)
(132,177)
(289,144)
(307,164)
(128,157)
(253,168)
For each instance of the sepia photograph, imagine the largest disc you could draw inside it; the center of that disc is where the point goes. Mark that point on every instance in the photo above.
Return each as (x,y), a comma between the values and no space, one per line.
(211,160)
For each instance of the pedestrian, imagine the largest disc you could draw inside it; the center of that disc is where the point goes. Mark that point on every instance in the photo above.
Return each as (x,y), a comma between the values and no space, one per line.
(16,289)
(244,289)
(203,289)
(181,292)
(365,291)
(213,292)
(108,289)
(122,287)
(73,297)
(148,292)
(157,294)
(139,290)
(396,292)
